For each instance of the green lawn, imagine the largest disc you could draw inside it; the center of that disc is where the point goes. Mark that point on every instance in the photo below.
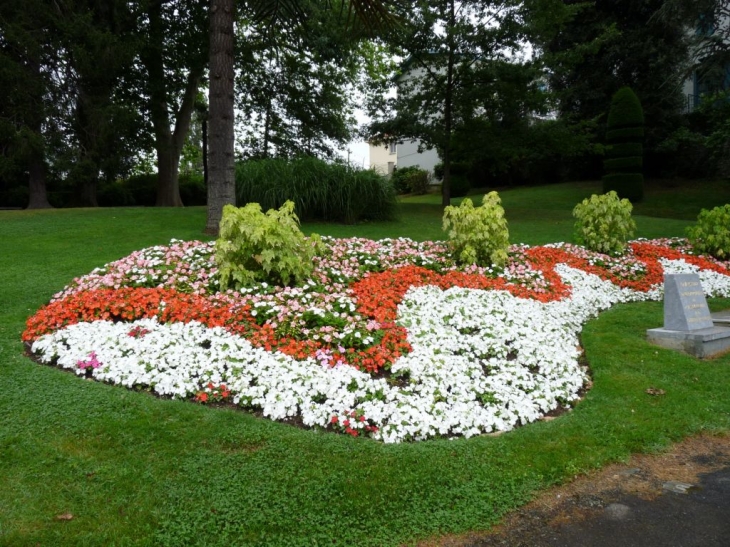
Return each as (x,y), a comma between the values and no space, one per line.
(136,470)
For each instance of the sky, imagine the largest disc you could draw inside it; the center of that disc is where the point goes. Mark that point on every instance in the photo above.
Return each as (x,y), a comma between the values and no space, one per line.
(357,152)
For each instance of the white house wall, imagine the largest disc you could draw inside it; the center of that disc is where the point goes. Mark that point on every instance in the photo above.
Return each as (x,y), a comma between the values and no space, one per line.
(408,155)
(381,159)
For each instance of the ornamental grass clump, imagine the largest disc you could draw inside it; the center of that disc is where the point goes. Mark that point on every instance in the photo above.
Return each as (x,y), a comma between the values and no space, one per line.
(711,234)
(478,235)
(604,224)
(263,247)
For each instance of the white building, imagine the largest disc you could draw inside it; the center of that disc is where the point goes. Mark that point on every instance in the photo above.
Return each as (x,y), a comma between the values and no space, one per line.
(387,157)
(383,158)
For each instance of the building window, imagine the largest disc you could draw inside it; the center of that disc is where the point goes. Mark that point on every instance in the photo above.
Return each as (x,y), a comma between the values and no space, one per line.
(391,167)
(392,149)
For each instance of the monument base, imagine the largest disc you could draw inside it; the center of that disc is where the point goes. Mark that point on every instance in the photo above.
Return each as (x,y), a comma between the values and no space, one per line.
(701,343)
(721,318)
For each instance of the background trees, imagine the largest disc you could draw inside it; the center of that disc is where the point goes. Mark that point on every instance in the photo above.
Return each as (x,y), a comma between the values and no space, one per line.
(450,46)
(94,85)
(617,43)
(468,86)
(28,62)
(371,14)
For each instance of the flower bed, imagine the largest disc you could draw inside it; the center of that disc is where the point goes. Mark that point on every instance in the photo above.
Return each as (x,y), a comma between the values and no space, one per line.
(387,339)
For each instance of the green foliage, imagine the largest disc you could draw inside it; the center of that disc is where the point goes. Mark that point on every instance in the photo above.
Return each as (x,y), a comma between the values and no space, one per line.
(192,189)
(621,42)
(627,163)
(320,190)
(604,224)
(711,234)
(478,235)
(270,247)
(441,94)
(141,190)
(701,149)
(624,133)
(623,149)
(624,154)
(410,180)
(460,186)
(461,179)
(115,194)
(625,110)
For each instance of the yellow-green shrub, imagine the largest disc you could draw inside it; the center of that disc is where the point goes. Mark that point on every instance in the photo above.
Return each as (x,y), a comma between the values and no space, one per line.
(478,235)
(270,247)
(711,234)
(604,224)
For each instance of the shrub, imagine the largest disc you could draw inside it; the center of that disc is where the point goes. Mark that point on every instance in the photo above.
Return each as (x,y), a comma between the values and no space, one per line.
(404,179)
(254,246)
(460,177)
(143,188)
(193,190)
(320,190)
(711,234)
(478,235)
(419,182)
(604,223)
(624,154)
(115,194)
(459,186)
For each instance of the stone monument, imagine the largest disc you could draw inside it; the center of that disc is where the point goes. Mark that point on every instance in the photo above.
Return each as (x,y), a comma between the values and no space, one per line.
(688,324)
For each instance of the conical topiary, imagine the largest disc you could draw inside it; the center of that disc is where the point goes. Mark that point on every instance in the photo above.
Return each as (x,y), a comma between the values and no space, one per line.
(625,151)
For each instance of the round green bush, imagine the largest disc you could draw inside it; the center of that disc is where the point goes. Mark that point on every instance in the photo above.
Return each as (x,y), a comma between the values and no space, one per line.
(604,224)
(144,188)
(711,234)
(478,235)
(401,178)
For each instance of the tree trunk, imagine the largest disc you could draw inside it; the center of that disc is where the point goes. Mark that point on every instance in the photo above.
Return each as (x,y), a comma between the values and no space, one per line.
(87,126)
(448,106)
(87,194)
(168,186)
(38,197)
(221,185)
(205,150)
(37,194)
(168,142)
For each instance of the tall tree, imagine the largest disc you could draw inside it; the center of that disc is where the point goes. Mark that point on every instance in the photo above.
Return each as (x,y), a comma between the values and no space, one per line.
(174,54)
(638,49)
(710,41)
(96,37)
(460,53)
(28,61)
(221,168)
(296,87)
(221,182)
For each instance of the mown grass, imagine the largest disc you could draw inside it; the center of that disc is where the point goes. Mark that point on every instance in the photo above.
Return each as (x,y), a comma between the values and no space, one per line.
(136,470)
